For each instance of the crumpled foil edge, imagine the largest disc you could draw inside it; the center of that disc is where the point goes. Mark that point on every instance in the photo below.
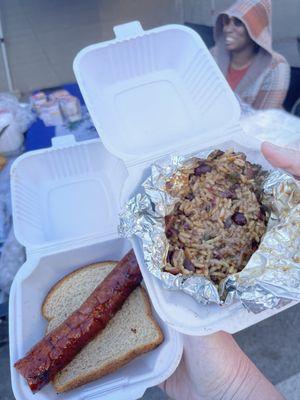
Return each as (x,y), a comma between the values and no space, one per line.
(270,280)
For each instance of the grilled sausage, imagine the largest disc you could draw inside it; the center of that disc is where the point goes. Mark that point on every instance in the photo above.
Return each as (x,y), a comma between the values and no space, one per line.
(61,345)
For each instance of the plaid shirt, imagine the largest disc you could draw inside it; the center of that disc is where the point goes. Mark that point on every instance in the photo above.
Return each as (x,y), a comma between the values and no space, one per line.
(267,80)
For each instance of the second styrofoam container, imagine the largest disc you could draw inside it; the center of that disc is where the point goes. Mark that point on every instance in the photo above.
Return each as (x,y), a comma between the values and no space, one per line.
(154,93)
(65,211)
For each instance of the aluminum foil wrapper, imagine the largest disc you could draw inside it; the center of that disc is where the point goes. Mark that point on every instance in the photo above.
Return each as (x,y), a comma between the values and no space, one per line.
(271,278)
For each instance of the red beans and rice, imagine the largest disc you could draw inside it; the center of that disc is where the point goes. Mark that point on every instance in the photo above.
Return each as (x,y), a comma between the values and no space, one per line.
(219,220)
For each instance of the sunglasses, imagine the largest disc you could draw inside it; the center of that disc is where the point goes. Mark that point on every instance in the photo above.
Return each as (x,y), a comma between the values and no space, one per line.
(226,21)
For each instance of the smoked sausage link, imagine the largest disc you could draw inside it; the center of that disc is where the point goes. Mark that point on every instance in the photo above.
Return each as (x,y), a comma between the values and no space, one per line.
(60,346)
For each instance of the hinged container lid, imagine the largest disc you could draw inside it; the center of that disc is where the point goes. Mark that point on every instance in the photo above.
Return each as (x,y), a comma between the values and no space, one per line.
(64,196)
(154,92)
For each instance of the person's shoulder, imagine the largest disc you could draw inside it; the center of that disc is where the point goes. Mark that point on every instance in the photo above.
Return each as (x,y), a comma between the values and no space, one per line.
(278,74)
(279,61)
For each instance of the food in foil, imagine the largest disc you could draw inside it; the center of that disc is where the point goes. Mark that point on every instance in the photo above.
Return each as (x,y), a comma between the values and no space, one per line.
(219,219)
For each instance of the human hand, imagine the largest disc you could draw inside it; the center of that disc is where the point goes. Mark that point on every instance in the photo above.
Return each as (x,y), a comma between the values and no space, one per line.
(215,368)
(207,369)
(281,157)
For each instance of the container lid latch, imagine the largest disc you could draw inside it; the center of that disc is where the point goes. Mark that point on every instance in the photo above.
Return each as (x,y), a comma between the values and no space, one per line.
(129,30)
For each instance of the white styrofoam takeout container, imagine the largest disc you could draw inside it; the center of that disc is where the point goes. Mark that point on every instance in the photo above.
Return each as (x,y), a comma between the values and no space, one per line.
(150,94)
(65,208)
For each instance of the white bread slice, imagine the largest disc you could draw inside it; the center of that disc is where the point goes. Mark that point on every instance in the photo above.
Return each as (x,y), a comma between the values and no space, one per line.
(131,332)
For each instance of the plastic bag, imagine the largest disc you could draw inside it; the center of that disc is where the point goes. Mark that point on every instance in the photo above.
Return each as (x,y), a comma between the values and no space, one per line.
(12,257)
(22,112)
(12,254)
(5,202)
(276,126)
(15,119)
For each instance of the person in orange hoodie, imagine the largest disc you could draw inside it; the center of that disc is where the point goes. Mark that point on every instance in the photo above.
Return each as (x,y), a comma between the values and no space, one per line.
(243,50)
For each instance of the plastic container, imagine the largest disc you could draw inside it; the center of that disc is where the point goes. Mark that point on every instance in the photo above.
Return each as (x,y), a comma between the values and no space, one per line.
(50,113)
(65,210)
(153,93)
(70,107)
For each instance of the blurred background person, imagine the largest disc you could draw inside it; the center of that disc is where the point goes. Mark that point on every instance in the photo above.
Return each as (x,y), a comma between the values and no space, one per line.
(243,50)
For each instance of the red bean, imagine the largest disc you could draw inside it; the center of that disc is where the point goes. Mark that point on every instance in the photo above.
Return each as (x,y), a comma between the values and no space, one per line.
(228,194)
(239,218)
(189,265)
(203,168)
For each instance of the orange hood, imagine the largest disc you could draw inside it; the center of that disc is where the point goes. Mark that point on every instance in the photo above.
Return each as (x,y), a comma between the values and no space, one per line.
(256,16)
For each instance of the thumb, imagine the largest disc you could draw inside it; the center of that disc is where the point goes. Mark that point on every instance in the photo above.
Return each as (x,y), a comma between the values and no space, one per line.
(281,157)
